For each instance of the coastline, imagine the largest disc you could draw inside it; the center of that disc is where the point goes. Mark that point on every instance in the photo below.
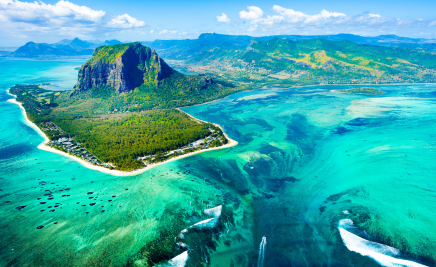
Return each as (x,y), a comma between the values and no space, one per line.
(231,143)
(45,147)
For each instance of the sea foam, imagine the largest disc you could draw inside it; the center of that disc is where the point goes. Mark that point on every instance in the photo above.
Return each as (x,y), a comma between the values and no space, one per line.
(178,261)
(384,255)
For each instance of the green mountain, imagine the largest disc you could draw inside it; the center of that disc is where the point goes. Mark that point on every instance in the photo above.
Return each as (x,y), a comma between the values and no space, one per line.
(133,77)
(32,49)
(111,42)
(65,47)
(77,44)
(185,49)
(123,67)
(123,108)
(314,61)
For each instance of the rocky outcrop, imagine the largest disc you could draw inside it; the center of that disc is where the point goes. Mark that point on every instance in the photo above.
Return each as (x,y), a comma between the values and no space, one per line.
(122,66)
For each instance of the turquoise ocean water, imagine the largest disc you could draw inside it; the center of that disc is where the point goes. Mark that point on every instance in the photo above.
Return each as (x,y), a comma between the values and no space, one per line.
(307,158)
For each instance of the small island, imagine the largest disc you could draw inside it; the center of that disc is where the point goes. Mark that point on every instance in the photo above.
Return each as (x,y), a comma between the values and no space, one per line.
(360,91)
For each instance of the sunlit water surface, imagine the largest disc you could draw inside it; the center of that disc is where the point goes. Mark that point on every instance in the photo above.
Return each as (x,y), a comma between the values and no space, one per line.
(307,158)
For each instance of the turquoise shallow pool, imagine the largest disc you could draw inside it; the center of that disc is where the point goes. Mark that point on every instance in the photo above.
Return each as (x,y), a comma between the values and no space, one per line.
(307,158)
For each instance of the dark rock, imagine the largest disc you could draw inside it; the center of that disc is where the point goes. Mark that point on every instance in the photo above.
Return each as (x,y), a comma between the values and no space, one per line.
(125,72)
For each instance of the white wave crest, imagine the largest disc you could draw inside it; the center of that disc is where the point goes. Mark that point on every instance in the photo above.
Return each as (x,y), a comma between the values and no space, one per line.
(381,253)
(214,212)
(178,261)
(209,223)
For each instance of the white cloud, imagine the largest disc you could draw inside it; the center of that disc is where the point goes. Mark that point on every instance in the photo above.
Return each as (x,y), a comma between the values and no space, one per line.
(40,12)
(253,13)
(125,21)
(151,31)
(167,32)
(62,18)
(223,18)
(287,21)
(292,16)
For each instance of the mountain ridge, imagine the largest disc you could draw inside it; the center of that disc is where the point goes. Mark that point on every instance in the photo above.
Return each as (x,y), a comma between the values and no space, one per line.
(183,49)
(65,47)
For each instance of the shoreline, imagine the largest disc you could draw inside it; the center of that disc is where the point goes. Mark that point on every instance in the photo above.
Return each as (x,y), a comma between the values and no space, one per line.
(45,147)
(231,143)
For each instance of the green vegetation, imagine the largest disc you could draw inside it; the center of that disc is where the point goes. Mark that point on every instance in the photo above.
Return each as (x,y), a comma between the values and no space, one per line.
(36,101)
(362,91)
(109,53)
(316,61)
(177,90)
(118,138)
(122,140)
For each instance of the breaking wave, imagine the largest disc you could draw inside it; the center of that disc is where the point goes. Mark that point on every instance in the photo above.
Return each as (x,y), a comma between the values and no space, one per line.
(384,255)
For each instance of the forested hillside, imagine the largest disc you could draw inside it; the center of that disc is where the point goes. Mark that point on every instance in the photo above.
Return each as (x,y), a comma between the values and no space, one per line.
(314,61)
(188,48)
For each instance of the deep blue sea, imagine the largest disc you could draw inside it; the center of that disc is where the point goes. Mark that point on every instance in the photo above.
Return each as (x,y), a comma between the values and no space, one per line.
(318,179)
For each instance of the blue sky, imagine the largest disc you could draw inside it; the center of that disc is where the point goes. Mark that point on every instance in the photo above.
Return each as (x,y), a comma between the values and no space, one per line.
(51,20)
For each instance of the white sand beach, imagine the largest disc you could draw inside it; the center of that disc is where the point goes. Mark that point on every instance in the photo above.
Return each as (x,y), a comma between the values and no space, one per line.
(44,146)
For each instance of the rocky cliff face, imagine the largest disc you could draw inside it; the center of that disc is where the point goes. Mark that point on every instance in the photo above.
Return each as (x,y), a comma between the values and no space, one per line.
(122,66)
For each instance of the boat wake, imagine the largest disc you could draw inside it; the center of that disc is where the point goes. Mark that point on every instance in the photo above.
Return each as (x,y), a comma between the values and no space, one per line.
(384,255)
(261,252)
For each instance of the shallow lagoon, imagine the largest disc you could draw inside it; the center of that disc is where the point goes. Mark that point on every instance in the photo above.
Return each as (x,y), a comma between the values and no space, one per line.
(305,156)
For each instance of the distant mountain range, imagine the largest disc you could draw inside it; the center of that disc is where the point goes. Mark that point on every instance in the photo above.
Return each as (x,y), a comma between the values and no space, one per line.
(66,47)
(188,48)
(312,61)
(185,49)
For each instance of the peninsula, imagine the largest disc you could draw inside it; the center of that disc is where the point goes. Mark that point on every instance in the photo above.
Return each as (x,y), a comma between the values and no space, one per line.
(122,114)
